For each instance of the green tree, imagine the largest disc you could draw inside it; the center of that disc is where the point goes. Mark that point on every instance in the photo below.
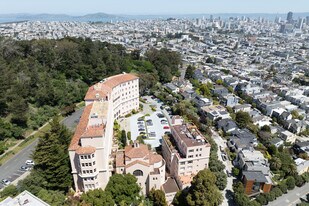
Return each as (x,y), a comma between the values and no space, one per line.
(9,191)
(283,187)
(52,160)
(189,72)
(290,183)
(203,190)
(157,197)
(97,197)
(295,114)
(266,128)
(54,198)
(243,119)
(262,199)
(299,181)
(124,189)
(221,180)
(235,171)
(275,163)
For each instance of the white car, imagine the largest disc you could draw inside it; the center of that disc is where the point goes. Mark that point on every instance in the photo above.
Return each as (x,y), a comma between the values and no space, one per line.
(29,162)
(6,182)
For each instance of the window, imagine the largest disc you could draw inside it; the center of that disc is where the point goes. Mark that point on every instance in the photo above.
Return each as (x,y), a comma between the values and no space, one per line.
(190,161)
(83,164)
(200,149)
(182,163)
(94,170)
(86,164)
(138,173)
(89,156)
(190,156)
(92,155)
(93,163)
(82,157)
(191,150)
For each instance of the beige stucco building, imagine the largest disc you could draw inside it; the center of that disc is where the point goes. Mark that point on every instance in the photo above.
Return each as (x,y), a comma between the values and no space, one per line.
(147,166)
(91,146)
(186,152)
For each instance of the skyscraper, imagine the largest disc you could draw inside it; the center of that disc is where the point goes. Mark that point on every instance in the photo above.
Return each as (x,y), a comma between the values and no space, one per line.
(289,17)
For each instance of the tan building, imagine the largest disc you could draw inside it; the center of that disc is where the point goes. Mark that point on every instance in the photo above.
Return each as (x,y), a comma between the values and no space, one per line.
(186,152)
(91,146)
(146,166)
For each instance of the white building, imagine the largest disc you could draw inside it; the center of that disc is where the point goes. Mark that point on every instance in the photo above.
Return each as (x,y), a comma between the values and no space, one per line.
(91,146)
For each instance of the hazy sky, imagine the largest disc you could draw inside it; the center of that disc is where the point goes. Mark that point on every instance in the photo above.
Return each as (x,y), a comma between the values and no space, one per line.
(152,6)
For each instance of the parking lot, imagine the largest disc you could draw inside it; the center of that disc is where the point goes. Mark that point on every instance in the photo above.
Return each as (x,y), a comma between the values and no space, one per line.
(151,125)
(5,182)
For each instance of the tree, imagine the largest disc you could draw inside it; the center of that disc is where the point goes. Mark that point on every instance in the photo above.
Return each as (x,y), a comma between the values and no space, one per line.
(97,197)
(275,163)
(52,160)
(295,114)
(9,191)
(123,189)
(290,183)
(221,180)
(299,181)
(283,187)
(276,191)
(235,171)
(272,149)
(266,128)
(157,197)
(54,198)
(243,119)
(189,72)
(261,199)
(219,82)
(203,190)
(241,199)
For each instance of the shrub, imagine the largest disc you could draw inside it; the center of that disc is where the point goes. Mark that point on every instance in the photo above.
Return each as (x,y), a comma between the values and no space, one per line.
(305,176)
(235,171)
(277,192)
(283,187)
(262,199)
(290,182)
(299,181)
(270,196)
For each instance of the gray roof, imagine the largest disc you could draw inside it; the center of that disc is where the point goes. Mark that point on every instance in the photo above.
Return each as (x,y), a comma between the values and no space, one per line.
(257,176)
(170,186)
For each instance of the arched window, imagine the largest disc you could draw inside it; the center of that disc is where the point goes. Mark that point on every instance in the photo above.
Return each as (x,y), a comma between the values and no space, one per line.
(138,173)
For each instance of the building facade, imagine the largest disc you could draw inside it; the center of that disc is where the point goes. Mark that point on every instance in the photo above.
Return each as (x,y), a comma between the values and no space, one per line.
(146,166)
(185,151)
(91,147)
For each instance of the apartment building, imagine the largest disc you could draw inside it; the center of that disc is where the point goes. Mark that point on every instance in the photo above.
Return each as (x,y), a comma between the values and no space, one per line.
(147,166)
(185,151)
(91,146)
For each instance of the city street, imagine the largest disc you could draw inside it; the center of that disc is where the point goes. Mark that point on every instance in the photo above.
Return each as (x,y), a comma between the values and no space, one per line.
(227,192)
(11,169)
(292,197)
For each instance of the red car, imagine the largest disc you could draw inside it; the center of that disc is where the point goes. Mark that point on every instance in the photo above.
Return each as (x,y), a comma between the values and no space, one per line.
(166,127)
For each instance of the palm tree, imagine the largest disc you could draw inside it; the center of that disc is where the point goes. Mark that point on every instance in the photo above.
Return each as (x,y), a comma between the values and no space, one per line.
(291,169)
(275,163)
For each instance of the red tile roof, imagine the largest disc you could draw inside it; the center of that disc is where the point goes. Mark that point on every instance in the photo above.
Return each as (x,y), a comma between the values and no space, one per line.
(102,89)
(136,152)
(120,159)
(81,127)
(137,162)
(94,131)
(85,150)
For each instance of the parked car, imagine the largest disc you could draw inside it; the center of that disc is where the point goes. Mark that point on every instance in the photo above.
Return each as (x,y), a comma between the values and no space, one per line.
(25,168)
(152,134)
(140,123)
(140,119)
(224,158)
(160,115)
(29,162)
(228,174)
(167,132)
(166,127)
(141,130)
(141,126)
(5,181)
(164,121)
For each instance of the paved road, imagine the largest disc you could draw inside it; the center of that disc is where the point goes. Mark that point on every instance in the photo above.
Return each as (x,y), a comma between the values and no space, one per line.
(227,192)
(11,169)
(292,197)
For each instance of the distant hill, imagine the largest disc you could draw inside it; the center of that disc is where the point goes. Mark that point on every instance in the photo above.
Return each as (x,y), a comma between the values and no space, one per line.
(57,17)
(103,17)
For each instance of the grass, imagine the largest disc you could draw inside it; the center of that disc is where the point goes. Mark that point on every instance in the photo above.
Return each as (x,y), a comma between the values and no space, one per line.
(80,105)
